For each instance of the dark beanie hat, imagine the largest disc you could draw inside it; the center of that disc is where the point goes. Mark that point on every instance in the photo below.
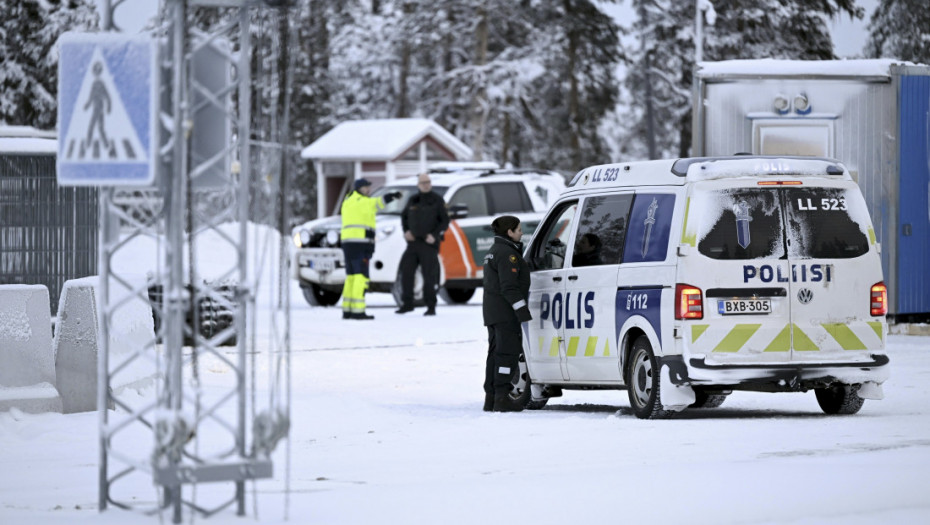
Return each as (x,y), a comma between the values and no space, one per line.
(360,183)
(504,223)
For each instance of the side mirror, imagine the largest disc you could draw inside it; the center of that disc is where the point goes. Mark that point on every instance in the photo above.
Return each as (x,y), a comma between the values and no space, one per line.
(458,211)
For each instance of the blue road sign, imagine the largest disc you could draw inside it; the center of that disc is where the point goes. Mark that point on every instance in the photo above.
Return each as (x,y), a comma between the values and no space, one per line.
(107,109)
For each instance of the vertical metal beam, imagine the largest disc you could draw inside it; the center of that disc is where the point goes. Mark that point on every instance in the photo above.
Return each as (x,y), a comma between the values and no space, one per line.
(244,74)
(175,221)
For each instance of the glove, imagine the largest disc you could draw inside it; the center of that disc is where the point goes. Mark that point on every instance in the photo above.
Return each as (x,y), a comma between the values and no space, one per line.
(523,314)
(388,197)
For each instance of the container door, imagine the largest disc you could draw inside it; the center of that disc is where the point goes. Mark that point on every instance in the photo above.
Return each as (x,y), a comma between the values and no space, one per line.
(833,267)
(544,338)
(912,293)
(742,270)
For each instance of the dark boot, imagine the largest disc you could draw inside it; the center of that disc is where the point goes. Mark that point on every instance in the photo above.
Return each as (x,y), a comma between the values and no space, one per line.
(504,403)
(346,315)
(488,402)
(362,315)
(403,309)
(430,311)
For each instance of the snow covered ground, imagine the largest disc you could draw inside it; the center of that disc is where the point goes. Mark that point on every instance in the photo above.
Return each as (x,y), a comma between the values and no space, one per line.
(388,428)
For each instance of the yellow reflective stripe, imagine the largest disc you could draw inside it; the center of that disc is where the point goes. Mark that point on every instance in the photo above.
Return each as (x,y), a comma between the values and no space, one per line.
(591,346)
(801,341)
(542,341)
(871,236)
(844,336)
(554,347)
(572,346)
(685,238)
(606,347)
(737,338)
(697,330)
(782,341)
(877,326)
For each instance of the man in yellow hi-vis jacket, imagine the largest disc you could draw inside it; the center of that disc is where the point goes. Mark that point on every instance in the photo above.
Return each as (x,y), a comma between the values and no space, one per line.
(358,244)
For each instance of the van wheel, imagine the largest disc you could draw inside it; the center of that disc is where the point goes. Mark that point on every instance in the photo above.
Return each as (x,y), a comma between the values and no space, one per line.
(456,295)
(642,380)
(317,296)
(522,393)
(704,400)
(839,399)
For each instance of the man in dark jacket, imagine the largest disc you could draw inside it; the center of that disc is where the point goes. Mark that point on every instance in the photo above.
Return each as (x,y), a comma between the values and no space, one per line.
(424,221)
(506,290)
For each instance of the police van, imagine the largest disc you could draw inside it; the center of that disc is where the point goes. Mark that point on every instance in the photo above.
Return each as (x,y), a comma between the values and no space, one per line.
(684,280)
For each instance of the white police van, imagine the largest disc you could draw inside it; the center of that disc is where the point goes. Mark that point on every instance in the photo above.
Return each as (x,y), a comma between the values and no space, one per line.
(684,280)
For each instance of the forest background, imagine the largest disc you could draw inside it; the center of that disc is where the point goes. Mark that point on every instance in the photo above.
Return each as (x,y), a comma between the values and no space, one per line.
(554,84)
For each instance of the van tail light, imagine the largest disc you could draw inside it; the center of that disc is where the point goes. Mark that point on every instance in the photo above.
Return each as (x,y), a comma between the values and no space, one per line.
(878,299)
(689,302)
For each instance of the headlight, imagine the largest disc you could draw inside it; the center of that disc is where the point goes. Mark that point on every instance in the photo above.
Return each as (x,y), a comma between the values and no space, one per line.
(384,232)
(332,237)
(302,238)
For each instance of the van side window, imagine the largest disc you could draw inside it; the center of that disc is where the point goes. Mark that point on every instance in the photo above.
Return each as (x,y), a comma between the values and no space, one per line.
(508,197)
(602,227)
(474,197)
(549,247)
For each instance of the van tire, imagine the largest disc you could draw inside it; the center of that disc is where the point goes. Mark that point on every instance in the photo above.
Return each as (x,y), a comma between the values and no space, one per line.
(317,296)
(642,380)
(522,393)
(704,400)
(839,399)
(456,295)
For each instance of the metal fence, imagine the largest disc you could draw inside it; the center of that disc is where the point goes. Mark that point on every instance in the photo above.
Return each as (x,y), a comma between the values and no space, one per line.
(48,234)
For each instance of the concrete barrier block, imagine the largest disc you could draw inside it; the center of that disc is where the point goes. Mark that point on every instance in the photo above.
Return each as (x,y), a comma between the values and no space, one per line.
(27,363)
(78,344)
(26,355)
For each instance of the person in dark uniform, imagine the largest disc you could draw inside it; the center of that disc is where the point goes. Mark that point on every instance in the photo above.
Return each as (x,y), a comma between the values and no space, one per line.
(506,290)
(424,221)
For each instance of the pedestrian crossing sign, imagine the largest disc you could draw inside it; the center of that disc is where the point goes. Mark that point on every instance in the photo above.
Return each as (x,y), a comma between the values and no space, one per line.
(107,109)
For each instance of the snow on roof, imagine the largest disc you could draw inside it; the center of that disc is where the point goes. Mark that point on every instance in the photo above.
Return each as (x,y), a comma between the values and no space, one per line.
(25,139)
(821,68)
(382,139)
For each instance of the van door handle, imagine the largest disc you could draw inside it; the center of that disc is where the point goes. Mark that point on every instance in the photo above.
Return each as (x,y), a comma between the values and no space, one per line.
(556,279)
(572,277)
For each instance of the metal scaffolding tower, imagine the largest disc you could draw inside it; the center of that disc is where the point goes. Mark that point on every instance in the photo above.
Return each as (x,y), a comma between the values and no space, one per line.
(190,433)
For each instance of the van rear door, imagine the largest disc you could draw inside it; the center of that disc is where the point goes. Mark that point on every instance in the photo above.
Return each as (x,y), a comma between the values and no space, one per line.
(742,269)
(834,263)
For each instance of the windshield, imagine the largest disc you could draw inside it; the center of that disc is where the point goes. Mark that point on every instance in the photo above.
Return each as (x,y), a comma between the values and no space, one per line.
(396,206)
(803,223)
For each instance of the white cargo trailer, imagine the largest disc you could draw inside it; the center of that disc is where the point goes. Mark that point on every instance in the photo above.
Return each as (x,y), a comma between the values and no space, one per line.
(872,115)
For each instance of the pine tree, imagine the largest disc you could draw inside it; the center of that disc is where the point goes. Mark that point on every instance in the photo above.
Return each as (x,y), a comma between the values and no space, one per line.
(29,30)
(900,29)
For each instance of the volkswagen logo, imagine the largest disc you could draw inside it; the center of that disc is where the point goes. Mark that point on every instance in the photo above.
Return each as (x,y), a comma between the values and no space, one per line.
(805,295)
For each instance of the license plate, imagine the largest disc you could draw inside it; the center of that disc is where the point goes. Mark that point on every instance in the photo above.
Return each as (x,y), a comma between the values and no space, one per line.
(322,265)
(744,306)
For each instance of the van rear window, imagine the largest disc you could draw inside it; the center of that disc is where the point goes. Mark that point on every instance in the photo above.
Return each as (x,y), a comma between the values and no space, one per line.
(761,223)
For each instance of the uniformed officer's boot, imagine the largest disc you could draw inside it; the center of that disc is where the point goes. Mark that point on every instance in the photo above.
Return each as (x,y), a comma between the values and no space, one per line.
(505,403)
(488,402)
(362,315)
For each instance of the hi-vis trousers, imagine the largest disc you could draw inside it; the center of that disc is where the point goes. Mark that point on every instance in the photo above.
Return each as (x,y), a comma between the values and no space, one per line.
(357,255)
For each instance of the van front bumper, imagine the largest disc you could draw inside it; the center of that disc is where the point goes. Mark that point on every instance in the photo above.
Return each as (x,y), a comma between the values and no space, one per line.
(787,377)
